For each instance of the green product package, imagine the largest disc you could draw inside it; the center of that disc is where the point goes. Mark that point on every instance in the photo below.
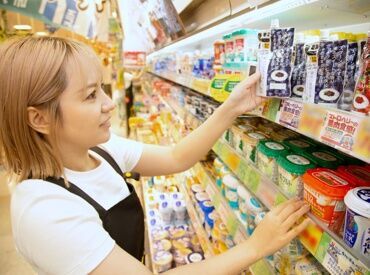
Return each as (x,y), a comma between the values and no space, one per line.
(217,84)
(295,163)
(298,145)
(229,85)
(271,148)
(324,158)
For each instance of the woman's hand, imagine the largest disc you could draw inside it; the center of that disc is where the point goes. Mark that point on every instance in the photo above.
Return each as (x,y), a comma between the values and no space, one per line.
(278,228)
(243,98)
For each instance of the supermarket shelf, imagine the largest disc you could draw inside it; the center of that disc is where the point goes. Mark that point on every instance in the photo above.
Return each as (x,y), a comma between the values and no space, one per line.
(196,84)
(150,239)
(347,132)
(229,217)
(199,229)
(326,246)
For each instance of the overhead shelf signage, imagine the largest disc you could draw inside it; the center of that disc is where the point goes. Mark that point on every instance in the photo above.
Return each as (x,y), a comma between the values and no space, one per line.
(87,18)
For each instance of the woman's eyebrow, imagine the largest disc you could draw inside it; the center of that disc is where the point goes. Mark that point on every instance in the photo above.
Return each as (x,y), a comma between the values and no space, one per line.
(91,85)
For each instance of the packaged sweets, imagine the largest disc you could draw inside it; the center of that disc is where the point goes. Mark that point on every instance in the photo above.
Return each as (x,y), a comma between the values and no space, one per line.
(217,84)
(179,256)
(299,145)
(245,45)
(357,222)
(254,207)
(298,78)
(325,79)
(229,85)
(180,211)
(239,133)
(267,153)
(166,212)
(345,102)
(324,190)
(207,206)
(159,234)
(162,261)
(277,75)
(291,167)
(231,184)
(308,265)
(361,100)
(323,158)
(250,141)
(357,175)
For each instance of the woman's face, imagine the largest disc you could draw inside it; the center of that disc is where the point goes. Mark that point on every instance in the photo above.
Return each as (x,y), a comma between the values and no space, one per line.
(85,110)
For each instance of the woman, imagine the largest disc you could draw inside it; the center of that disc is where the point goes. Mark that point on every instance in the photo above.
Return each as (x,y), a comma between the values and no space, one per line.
(72,212)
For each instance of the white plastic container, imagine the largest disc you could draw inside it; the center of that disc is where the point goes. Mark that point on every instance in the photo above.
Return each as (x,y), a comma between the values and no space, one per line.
(231,185)
(357,222)
(243,198)
(180,210)
(253,208)
(166,211)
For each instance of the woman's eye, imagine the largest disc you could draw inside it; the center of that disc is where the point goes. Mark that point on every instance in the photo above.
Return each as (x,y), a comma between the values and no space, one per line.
(92,95)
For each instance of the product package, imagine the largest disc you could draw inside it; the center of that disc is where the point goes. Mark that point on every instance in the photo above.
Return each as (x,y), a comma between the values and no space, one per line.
(361,100)
(298,78)
(276,66)
(325,79)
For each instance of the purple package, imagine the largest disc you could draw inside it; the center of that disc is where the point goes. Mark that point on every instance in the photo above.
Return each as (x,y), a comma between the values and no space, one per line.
(298,77)
(331,72)
(280,65)
(345,102)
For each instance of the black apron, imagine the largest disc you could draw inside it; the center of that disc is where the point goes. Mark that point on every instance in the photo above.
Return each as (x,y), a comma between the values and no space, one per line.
(124,221)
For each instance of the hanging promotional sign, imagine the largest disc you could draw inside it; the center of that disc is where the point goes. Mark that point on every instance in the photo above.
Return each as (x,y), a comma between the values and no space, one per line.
(85,17)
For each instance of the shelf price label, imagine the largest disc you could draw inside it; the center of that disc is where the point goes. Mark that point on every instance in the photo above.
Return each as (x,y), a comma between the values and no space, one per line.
(337,260)
(290,113)
(340,130)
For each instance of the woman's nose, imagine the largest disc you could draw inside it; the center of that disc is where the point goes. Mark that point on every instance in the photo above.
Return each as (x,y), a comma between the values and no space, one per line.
(108,104)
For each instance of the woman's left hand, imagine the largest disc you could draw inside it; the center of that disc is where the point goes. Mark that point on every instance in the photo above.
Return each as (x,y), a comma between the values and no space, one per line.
(243,98)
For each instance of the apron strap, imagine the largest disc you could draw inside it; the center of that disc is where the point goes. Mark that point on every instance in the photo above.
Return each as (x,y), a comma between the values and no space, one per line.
(105,155)
(77,191)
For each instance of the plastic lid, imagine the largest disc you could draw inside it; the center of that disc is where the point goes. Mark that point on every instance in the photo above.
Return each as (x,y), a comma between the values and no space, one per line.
(254,205)
(195,257)
(356,175)
(298,145)
(235,33)
(243,192)
(271,148)
(324,158)
(358,200)
(230,181)
(201,196)
(327,182)
(226,36)
(295,163)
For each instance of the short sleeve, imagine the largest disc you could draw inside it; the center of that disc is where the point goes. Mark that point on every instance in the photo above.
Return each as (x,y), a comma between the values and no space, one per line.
(125,152)
(58,232)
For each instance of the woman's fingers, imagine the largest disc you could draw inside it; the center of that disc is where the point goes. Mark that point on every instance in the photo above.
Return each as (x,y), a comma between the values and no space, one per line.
(277,209)
(294,217)
(289,209)
(295,231)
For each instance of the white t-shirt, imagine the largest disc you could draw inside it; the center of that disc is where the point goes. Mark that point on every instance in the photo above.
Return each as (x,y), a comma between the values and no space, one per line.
(58,232)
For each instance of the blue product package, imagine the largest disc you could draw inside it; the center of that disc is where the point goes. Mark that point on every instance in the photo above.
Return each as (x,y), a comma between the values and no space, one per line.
(298,78)
(280,64)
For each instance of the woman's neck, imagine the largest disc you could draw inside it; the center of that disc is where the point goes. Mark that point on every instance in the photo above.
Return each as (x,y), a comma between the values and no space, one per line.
(79,160)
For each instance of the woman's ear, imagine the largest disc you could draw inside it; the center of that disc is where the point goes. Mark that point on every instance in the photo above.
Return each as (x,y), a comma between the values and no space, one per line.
(38,120)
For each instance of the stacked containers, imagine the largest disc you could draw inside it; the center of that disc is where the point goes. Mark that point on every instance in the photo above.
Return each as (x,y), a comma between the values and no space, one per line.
(357,175)
(291,167)
(323,158)
(250,141)
(299,145)
(231,184)
(324,190)
(357,222)
(267,153)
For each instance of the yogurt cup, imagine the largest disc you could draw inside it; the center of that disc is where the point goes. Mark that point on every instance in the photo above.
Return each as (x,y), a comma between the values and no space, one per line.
(207,206)
(162,261)
(267,153)
(357,175)
(323,158)
(179,256)
(197,188)
(291,167)
(194,257)
(180,210)
(250,141)
(254,207)
(299,145)
(162,245)
(243,197)
(231,184)
(357,222)
(166,211)
(324,190)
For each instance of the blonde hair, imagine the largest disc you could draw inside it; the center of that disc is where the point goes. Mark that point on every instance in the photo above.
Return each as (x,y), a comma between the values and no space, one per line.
(33,72)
